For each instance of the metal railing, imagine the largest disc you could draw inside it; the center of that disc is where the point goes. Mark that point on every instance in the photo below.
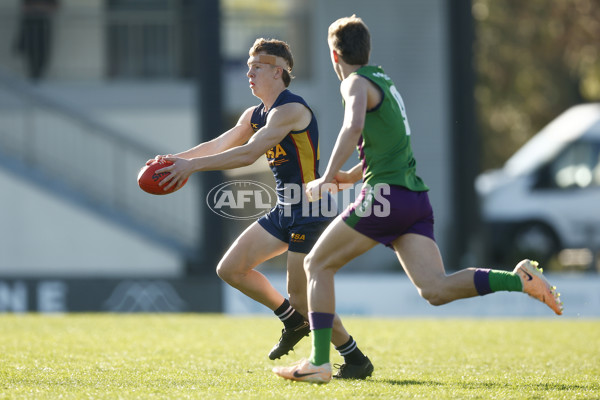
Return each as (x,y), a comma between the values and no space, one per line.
(144,44)
(91,164)
(96,43)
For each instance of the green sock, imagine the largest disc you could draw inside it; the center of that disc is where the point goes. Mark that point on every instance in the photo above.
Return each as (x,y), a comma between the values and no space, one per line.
(321,342)
(505,281)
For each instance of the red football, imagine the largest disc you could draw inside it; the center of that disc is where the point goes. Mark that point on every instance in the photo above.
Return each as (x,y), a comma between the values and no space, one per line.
(148,179)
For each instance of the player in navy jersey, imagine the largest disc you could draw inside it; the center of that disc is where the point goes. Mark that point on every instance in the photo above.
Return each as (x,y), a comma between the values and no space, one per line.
(284,128)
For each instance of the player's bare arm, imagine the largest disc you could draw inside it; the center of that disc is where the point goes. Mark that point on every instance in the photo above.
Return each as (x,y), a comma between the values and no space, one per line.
(236,136)
(354,174)
(354,91)
(281,121)
(346,178)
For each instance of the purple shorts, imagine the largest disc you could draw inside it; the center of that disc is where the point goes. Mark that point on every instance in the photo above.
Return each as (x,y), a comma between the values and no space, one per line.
(386,212)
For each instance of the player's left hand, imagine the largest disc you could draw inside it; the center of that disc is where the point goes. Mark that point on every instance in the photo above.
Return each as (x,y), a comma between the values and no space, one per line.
(158,158)
(179,172)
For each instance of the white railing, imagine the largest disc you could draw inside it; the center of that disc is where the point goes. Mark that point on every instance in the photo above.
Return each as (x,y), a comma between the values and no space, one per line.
(65,151)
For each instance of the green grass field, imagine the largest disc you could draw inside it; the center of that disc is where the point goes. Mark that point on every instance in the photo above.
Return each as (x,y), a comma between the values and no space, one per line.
(106,356)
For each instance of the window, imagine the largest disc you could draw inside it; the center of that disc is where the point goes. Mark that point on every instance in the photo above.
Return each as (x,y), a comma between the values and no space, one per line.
(244,21)
(578,166)
(142,38)
(154,38)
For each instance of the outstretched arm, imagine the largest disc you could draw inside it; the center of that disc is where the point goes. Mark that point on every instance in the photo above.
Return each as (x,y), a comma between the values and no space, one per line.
(236,136)
(354,92)
(280,122)
(348,177)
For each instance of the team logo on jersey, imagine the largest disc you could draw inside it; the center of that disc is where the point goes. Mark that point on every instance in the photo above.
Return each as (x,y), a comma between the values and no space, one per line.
(297,237)
(275,163)
(254,126)
(276,155)
(276,152)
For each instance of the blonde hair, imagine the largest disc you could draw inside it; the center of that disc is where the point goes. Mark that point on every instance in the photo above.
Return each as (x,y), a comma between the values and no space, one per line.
(277,48)
(350,38)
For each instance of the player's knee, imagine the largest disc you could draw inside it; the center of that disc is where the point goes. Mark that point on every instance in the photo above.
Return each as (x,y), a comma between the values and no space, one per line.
(310,269)
(227,272)
(434,289)
(222,272)
(435,300)
(313,264)
(433,296)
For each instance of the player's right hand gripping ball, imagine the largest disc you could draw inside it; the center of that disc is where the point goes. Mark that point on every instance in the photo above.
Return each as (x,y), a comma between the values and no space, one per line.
(148,179)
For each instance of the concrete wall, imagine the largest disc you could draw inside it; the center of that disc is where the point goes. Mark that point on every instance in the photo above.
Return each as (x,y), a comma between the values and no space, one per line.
(44,236)
(50,237)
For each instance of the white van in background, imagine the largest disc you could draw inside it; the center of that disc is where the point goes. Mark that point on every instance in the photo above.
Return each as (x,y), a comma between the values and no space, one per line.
(547,196)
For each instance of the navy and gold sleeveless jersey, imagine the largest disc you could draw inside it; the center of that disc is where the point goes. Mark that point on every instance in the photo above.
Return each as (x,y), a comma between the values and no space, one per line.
(295,160)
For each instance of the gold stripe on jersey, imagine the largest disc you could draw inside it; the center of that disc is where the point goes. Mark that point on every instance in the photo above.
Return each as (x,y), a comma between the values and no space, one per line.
(306,155)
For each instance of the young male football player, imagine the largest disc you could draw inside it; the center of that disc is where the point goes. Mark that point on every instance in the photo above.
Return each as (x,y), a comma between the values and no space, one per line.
(285,129)
(393,208)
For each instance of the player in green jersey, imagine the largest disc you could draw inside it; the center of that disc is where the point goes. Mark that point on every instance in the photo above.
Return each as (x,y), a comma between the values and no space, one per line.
(393,208)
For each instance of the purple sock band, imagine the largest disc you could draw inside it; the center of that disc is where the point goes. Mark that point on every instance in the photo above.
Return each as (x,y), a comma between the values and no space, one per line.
(320,320)
(482,281)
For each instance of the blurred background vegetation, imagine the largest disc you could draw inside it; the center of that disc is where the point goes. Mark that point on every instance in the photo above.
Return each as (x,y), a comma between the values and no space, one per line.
(533,59)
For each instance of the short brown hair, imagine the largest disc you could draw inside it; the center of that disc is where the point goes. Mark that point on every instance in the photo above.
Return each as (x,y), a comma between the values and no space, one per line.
(350,38)
(277,48)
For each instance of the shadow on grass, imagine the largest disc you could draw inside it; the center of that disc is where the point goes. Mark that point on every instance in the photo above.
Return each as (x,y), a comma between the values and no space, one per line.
(548,386)
(409,382)
(552,386)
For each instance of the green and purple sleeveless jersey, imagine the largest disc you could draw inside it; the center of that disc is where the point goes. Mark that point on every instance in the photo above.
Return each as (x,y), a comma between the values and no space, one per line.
(384,146)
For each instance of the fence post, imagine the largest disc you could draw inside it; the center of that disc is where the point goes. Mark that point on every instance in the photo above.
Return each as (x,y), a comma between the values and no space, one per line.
(207,68)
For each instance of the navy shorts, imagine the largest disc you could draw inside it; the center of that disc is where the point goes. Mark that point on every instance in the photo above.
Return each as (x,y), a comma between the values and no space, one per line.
(299,232)
(386,212)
